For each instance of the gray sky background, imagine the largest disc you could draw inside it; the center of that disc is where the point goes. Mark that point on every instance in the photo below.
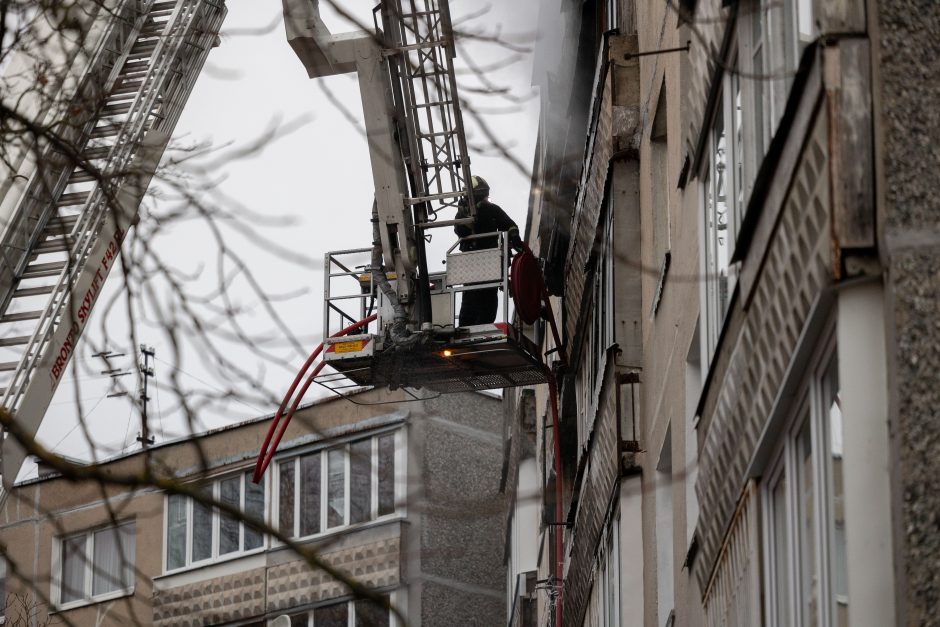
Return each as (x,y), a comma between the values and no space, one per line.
(317,176)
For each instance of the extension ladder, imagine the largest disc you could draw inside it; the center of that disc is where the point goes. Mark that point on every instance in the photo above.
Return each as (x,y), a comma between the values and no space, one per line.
(67,230)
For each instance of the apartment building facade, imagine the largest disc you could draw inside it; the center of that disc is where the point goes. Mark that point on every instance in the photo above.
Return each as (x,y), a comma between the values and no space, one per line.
(398,496)
(734,211)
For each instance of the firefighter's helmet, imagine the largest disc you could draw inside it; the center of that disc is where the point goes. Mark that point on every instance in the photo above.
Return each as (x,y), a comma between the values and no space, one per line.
(481,189)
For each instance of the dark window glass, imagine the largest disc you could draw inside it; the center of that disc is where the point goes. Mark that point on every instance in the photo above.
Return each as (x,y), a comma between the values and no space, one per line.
(254,510)
(336,502)
(229,494)
(332,616)
(371,614)
(175,531)
(113,562)
(310,494)
(386,474)
(202,528)
(360,481)
(73,569)
(286,499)
(300,620)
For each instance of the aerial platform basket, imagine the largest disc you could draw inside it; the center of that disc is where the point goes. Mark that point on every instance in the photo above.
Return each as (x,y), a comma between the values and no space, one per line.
(482,357)
(447,358)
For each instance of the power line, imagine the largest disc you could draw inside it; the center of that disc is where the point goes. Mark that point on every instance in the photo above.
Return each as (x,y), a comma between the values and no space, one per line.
(80,419)
(207,384)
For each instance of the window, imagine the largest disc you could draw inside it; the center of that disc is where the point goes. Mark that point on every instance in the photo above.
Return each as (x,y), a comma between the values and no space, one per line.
(342,485)
(522,556)
(360,613)
(660,181)
(95,565)
(604,604)
(599,334)
(197,533)
(773,36)
(715,221)
(665,593)
(804,526)
(3,590)
(728,163)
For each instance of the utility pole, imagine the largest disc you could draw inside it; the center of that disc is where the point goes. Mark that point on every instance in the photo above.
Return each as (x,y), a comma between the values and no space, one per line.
(146,370)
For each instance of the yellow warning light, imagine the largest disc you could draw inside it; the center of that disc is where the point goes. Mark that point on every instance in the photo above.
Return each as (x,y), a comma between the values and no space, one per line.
(448,352)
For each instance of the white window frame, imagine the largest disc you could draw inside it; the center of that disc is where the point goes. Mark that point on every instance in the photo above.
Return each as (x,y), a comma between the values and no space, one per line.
(780,46)
(215,557)
(89,597)
(323,450)
(785,465)
(3,589)
(604,608)
(714,310)
(599,334)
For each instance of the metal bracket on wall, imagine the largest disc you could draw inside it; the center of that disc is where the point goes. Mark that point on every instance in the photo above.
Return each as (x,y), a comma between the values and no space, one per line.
(647,53)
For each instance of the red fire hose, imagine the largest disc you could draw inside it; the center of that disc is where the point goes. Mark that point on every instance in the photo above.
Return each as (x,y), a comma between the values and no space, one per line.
(530,296)
(267,453)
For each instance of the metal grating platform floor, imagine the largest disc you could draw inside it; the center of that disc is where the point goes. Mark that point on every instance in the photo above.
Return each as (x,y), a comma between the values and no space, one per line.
(483,359)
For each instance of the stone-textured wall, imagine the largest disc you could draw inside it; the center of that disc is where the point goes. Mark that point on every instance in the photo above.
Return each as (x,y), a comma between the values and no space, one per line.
(909,91)
(371,556)
(461,514)
(374,564)
(223,599)
(760,343)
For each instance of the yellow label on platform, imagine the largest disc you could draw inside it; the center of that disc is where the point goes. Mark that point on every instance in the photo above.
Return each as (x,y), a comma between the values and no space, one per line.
(349,347)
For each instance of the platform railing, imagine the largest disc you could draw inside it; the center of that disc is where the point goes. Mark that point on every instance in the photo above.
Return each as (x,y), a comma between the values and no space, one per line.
(349,294)
(473,270)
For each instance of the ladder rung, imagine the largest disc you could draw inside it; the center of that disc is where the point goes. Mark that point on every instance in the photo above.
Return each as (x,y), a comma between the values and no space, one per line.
(440,103)
(128,86)
(426,74)
(51,246)
(19,317)
(422,46)
(152,28)
(14,341)
(33,291)
(81,176)
(140,55)
(438,134)
(418,14)
(60,225)
(163,5)
(73,198)
(42,267)
(432,197)
(440,165)
(143,46)
(97,152)
(442,223)
(132,70)
(7,366)
(116,109)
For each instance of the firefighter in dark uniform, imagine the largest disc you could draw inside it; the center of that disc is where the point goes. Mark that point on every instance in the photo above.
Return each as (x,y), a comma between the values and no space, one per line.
(479,306)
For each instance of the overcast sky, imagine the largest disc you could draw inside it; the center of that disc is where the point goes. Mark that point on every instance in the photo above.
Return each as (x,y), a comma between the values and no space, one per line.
(317,175)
